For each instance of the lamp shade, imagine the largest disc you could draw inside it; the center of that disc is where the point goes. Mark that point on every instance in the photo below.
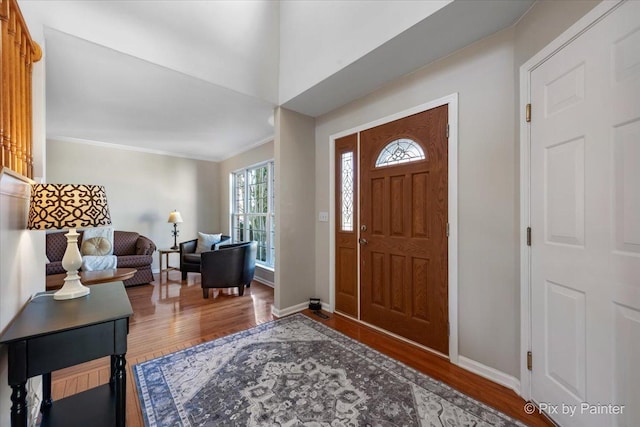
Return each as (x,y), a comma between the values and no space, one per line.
(67,206)
(175,217)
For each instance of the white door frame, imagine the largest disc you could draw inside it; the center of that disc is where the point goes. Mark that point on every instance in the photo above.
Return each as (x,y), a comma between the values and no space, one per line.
(575,31)
(452,101)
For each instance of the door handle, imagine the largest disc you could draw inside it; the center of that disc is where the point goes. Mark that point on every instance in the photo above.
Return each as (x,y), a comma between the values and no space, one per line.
(362,241)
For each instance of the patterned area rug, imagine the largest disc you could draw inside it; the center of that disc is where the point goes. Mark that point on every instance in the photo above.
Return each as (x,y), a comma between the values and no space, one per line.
(297,372)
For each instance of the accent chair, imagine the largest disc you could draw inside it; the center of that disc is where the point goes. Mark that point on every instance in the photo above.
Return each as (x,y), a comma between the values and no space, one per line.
(190,260)
(228,267)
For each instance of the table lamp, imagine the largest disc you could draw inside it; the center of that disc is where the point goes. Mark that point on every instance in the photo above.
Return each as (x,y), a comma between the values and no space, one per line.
(68,206)
(175,218)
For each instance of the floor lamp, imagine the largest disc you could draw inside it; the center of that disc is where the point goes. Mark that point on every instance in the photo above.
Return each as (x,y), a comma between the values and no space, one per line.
(68,207)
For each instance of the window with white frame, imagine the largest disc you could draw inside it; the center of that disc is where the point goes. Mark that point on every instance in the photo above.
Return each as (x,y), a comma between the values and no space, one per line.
(252,210)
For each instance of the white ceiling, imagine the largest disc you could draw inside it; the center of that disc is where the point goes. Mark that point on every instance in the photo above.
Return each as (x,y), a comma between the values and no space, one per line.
(441,33)
(201,78)
(98,94)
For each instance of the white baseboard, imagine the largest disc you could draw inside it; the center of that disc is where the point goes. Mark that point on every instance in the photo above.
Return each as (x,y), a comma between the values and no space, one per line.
(490,373)
(264,281)
(289,310)
(296,308)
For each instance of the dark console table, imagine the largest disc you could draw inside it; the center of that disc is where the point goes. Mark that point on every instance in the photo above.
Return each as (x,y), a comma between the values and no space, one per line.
(48,335)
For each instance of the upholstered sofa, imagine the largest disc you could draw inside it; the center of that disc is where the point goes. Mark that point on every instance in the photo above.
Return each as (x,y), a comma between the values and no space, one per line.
(131,249)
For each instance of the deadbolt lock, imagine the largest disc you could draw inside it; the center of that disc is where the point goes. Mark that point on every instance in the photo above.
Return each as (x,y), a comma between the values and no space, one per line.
(363,227)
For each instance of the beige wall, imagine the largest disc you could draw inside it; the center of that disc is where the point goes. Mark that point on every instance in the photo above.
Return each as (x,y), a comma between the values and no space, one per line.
(22,260)
(142,188)
(22,252)
(259,154)
(294,200)
(545,21)
(482,74)
(488,181)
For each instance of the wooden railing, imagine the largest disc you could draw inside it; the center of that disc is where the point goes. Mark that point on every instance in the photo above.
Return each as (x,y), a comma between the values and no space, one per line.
(19,52)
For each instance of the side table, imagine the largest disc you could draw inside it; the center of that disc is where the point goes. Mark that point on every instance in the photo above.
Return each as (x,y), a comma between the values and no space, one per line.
(55,281)
(166,253)
(47,335)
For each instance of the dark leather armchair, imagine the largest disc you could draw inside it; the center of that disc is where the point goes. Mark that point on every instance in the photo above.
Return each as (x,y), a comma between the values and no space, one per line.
(228,267)
(190,260)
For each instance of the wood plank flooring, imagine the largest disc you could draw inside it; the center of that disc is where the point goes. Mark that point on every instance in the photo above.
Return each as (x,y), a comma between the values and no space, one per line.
(170,315)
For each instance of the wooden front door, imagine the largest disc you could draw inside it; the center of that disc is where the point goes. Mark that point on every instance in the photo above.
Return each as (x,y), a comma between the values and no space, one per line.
(403,228)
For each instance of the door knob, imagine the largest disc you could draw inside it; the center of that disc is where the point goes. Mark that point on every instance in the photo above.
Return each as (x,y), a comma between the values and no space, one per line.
(362,241)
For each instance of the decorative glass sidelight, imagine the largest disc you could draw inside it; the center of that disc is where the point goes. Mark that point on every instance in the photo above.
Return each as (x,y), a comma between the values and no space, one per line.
(347,191)
(401,150)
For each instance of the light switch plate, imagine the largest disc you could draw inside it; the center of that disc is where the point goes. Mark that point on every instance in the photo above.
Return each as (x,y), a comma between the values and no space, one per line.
(323,216)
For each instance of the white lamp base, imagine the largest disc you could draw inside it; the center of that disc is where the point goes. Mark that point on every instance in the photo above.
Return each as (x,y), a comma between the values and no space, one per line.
(72,288)
(71,262)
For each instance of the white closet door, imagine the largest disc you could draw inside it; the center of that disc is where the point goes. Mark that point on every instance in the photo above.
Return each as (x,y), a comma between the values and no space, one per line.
(585,219)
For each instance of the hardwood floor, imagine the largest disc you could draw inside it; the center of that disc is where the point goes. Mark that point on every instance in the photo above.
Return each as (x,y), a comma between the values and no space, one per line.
(170,315)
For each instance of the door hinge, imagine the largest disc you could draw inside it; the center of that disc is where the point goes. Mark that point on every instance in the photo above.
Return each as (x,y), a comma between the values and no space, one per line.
(447,130)
(448,329)
(527,113)
(447,229)
(528,236)
(529,360)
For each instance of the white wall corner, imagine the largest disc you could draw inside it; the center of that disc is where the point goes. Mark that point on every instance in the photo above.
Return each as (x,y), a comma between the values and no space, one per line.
(326,307)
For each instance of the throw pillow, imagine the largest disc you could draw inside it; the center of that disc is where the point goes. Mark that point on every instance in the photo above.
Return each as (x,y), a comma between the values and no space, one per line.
(206,241)
(95,263)
(104,232)
(97,246)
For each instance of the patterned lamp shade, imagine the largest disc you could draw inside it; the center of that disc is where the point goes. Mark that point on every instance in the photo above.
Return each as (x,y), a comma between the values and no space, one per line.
(65,206)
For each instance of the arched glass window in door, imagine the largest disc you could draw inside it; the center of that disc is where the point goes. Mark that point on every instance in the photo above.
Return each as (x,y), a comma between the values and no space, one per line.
(401,150)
